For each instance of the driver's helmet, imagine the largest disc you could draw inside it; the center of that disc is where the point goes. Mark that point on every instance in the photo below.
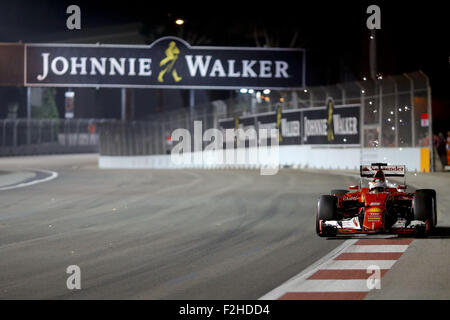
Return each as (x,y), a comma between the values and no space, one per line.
(378,184)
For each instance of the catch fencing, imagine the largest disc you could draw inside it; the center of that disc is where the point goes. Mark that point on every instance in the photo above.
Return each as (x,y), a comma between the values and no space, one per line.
(394,112)
(48,136)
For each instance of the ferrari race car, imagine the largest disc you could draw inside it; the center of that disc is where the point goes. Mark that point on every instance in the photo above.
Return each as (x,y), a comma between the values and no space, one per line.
(379,208)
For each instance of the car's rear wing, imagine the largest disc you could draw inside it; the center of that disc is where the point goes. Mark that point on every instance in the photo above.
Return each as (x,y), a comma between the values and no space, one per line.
(388,170)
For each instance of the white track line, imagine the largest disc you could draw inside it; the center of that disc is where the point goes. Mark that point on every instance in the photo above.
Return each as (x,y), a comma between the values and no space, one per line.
(53,175)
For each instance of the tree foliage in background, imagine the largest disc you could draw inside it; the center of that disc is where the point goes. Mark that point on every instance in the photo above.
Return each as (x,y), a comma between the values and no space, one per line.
(48,110)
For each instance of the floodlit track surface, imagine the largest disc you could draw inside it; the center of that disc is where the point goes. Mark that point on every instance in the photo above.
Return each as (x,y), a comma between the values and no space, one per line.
(143,234)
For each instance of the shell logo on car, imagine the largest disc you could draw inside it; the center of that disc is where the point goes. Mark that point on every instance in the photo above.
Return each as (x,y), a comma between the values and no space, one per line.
(374,210)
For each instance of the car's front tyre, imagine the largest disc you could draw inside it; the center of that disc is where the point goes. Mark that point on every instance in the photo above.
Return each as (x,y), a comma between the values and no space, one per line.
(326,210)
(422,207)
(432,194)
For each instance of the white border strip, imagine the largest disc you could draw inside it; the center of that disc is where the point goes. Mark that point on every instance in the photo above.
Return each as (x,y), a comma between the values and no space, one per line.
(53,175)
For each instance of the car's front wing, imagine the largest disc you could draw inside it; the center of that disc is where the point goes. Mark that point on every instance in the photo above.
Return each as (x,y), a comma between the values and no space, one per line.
(352,226)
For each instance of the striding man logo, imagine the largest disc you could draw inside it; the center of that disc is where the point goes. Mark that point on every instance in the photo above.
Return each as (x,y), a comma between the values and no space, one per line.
(172,53)
(330,124)
(279,116)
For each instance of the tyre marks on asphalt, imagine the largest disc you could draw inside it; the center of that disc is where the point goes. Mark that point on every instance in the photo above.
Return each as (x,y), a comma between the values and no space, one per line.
(344,273)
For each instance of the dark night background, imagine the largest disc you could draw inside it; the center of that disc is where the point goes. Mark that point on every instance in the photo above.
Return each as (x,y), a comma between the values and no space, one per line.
(413,36)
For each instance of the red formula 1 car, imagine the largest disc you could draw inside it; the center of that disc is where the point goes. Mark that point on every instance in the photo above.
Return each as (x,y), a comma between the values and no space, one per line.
(380,208)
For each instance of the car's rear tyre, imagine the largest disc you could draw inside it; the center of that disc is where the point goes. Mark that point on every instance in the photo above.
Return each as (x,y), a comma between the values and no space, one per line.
(326,210)
(432,194)
(338,192)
